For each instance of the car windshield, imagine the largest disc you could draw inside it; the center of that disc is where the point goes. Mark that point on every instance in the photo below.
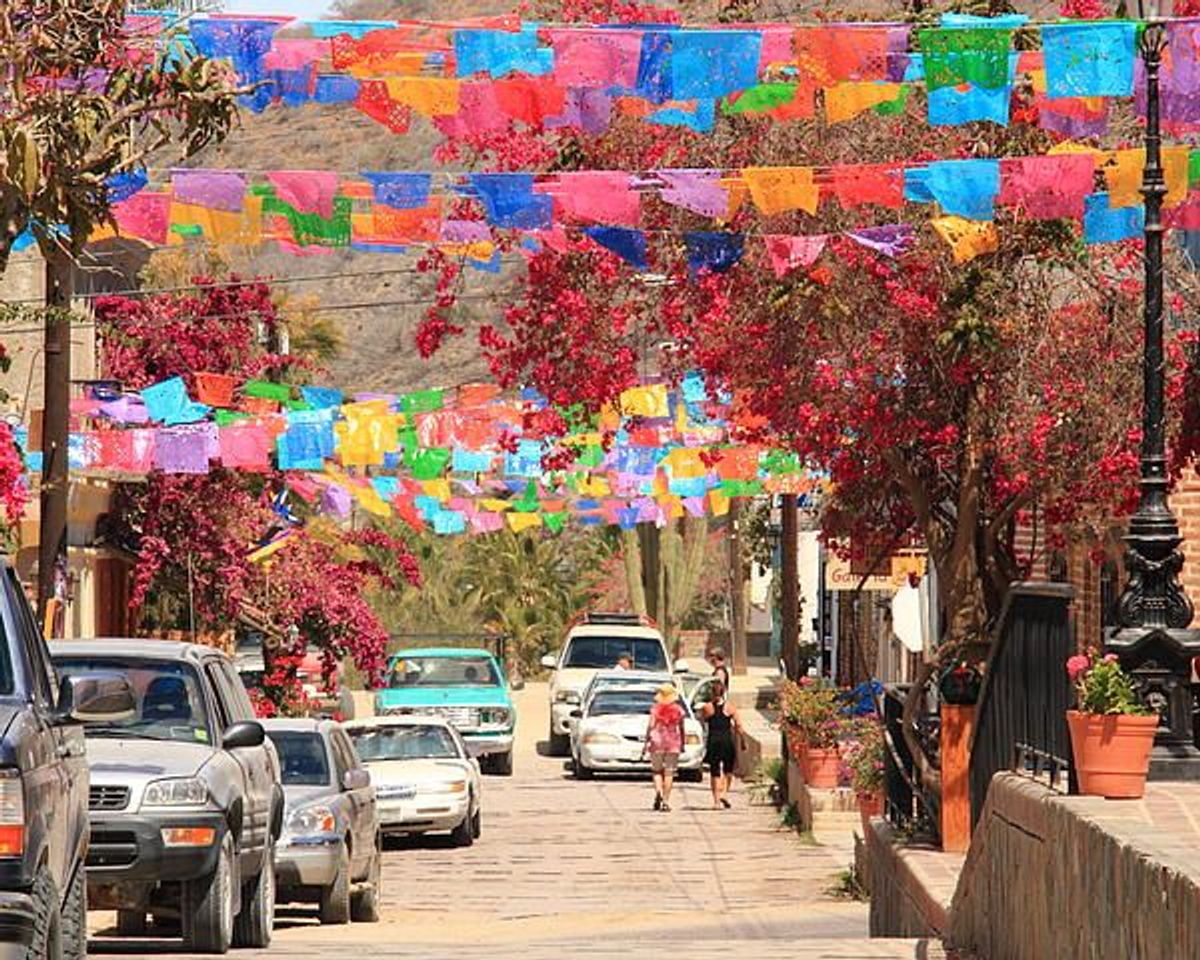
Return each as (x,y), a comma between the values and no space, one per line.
(302,758)
(404,743)
(646,653)
(169,698)
(608,703)
(444,672)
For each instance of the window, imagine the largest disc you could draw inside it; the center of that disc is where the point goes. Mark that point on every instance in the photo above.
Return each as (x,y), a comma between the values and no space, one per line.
(600,652)
(404,743)
(302,758)
(224,716)
(615,702)
(43,680)
(343,751)
(169,696)
(444,672)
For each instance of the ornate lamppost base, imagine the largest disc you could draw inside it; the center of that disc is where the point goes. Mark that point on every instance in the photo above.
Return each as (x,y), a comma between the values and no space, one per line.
(1160,660)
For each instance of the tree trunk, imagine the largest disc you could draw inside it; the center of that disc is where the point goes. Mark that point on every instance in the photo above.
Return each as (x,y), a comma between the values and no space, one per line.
(737,589)
(631,555)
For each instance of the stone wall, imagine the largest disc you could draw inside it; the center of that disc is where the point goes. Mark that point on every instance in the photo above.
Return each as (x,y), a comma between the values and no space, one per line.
(1078,877)
(902,902)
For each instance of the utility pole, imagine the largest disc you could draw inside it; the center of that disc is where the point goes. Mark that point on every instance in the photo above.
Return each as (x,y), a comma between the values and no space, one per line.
(737,589)
(789,598)
(56,412)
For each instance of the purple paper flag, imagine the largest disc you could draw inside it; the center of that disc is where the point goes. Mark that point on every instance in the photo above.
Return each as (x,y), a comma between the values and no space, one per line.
(185,449)
(214,189)
(697,190)
(126,409)
(891,239)
(587,110)
(335,501)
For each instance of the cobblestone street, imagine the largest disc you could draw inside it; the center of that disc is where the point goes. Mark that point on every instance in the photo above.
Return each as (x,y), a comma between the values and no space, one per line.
(588,869)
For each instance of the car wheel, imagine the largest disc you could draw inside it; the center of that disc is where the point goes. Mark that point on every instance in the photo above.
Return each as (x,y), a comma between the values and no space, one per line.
(254,923)
(464,834)
(335,898)
(47,919)
(692,776)
(207,914)
(74,918)
(364,902)
(582,772)
(501,763)
(558,743)
(131,923)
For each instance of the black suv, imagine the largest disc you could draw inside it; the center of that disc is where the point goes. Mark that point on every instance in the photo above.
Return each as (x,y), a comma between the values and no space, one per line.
(44,784)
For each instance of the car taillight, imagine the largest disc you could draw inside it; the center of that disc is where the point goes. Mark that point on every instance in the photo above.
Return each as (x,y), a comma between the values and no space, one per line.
(12,813)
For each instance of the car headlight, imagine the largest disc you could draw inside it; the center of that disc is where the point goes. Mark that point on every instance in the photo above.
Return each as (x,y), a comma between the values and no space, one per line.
(496,717)
(566,696)
(449,786)
(176,792)
(307,821)
(597,737)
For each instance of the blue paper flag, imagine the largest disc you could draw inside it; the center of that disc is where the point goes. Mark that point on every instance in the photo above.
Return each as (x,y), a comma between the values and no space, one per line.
(471,461)
(299,447)
(294,88)
(1090,59)
(500,52)
(950,106)
(167,402)
(965,188)
(1102,224)
(688,486)
(625,242)
(325,29)
(321,398)
(701,118)
(509,201)
(242,41)
(449,522)
(122,186)
(654,67)
(693,387)
(713,251)
(404,191)
(335,88)
(707,64)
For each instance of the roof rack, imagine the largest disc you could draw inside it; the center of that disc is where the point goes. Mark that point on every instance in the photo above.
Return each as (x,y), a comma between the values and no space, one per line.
(616,618)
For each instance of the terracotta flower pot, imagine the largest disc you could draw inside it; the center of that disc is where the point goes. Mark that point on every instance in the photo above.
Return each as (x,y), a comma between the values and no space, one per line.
(869,805)
(1112,752)
(822,767)
(797,747)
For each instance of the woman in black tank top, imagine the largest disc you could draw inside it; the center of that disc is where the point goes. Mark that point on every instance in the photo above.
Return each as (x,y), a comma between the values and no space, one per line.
(721,751)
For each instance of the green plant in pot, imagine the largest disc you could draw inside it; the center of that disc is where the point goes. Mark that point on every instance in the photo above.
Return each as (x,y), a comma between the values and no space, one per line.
(1112,731)
(812,718)
(863,759)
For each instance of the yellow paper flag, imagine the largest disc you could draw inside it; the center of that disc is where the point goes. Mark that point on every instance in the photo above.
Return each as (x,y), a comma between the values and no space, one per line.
(967,238)
(780,189)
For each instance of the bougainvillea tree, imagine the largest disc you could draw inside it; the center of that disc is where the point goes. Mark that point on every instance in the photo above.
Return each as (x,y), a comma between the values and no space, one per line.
(195,535)
(951,395)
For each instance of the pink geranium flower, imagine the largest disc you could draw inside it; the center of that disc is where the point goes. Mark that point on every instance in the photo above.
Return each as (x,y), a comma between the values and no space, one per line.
(1077,666)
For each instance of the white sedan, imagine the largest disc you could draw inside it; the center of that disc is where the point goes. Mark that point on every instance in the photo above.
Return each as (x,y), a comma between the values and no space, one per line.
(425,780)
(610,731)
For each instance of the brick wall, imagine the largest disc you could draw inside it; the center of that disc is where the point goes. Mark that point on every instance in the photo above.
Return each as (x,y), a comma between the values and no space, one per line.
(1186,502)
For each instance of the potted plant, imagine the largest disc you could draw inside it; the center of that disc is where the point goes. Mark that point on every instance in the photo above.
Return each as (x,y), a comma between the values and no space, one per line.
(863,759)
(1112,732)
(813,721)
(960,683)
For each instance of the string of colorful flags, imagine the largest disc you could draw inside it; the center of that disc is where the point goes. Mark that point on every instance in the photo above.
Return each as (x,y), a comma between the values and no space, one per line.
(452,461)
(484,74)
(310,211)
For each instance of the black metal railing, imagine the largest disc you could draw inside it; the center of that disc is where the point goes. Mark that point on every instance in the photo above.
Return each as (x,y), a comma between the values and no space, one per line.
(1021,716)
(908,804)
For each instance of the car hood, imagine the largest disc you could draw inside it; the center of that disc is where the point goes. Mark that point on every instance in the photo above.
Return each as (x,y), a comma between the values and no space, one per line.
(391,772)
(128,760)
(572,678)
(627,724)
(443,697)
(295,797)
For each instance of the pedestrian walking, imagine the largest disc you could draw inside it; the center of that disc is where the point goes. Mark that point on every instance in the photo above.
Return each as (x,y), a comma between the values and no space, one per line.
(664,740)
(721,752)
(716,659)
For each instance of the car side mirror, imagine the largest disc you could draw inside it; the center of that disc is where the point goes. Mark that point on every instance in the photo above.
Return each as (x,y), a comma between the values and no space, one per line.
(549,661)
(96,698)
(681,666)
(246,733)
(576,714)
(356,779)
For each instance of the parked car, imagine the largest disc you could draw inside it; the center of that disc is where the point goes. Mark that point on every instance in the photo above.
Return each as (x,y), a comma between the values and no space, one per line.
(44,784)
(331,849)
(186,803)
(610,733)
(425,778)
(465,686)
(597,642)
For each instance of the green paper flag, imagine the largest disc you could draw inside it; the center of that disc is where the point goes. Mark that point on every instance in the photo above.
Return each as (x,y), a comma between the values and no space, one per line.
(1193,168)
(760,99)
(224,418)
(430,463)
(311,229)
(265,390)
(423,401)
(741,488)
(554,522)
(977,55)
(893,108)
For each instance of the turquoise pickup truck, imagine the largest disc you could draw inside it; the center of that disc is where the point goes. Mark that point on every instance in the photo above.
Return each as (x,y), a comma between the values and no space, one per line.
(465,686)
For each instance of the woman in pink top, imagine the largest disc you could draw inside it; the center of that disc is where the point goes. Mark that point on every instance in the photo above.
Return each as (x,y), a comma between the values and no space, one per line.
(664,740)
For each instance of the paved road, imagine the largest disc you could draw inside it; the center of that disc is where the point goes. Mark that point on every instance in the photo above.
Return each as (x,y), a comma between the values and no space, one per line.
(587,869)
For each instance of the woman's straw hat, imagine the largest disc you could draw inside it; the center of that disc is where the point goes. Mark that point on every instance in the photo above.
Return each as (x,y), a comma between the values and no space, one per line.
(666,694)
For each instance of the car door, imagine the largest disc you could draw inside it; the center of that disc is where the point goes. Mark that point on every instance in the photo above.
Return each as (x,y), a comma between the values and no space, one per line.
(57,782)
(360,800)
(233,706)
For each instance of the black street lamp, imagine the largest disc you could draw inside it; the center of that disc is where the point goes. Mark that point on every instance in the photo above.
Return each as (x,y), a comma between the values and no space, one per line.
(1151,636)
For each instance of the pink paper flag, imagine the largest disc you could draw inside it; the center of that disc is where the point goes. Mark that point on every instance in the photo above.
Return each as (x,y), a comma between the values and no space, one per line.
(486,522)
(1049,187)
(697,190)
(600,195)
(245,446)
(596,58)
(788,253)
(295,54)
(145,216)
(309,191)
(776,46)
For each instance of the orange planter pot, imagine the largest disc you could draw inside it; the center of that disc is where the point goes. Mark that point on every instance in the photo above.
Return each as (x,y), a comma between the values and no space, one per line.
(822,767)
(869,805)
(798,747)
(1112,753)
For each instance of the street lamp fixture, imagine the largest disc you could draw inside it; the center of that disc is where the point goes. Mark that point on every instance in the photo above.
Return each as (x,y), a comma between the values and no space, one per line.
(1152,635)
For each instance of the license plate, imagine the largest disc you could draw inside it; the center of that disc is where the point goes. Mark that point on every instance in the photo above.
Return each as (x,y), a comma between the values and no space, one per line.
(398,793)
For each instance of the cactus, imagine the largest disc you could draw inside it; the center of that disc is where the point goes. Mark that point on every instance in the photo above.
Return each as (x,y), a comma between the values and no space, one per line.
(663,566)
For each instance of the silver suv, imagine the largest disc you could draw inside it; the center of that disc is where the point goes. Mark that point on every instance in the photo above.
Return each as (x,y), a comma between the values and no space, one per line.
(185,803)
